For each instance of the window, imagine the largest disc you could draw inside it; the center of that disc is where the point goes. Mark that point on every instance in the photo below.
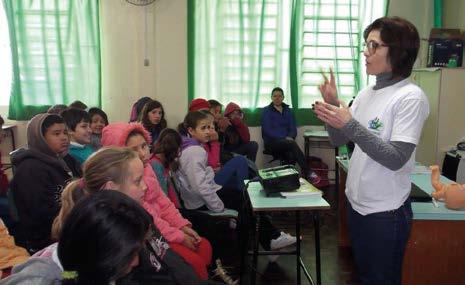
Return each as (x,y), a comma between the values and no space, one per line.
(55,54)
(330,38)
(5,59)
(240,49)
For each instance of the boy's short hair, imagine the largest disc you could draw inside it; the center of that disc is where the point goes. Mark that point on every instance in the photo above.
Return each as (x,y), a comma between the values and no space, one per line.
(49,121)
(57,109)
(214,103)
(73,116)
(78,105)
(97,111)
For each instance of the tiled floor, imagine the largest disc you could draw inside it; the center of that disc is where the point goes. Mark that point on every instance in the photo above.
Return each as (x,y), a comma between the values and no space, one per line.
(337,265)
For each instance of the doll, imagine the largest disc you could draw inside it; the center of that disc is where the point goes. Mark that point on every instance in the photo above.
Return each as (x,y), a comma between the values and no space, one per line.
(452,194)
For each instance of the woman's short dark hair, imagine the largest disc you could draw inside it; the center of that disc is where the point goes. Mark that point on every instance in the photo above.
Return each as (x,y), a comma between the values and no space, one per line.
(169,143)
(101,236)
(97,111)
(403,40)
(277,89)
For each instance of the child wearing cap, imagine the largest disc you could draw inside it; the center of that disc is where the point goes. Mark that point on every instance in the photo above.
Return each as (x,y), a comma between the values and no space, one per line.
(237,135)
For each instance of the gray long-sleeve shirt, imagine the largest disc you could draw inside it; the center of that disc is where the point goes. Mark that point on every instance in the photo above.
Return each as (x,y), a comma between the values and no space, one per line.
(392,154)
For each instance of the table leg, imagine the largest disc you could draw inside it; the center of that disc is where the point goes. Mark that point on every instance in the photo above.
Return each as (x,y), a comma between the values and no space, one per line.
(306,148)
(316,224)
(13,143)
(336,172)
(297,233)
(255,252)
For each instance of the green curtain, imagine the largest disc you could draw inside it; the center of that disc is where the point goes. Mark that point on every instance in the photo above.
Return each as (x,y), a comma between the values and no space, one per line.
(238,50)
(437,13)
(55,47)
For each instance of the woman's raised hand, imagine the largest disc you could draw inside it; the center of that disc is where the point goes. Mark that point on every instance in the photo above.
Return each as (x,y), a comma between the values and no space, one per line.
(328,89)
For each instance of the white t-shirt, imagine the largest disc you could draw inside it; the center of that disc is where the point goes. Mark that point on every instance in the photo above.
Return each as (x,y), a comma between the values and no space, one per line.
(393,113)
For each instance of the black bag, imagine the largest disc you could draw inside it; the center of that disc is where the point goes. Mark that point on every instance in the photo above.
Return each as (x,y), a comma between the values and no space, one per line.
(279,179)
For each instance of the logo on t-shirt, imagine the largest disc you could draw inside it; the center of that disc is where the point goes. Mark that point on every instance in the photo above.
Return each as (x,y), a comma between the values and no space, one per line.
(375,125)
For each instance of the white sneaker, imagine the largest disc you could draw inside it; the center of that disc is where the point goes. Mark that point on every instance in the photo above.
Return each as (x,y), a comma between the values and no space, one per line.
(281,243)
(284,240)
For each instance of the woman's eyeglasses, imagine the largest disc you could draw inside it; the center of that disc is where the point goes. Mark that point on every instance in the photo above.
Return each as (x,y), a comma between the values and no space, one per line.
(372,46)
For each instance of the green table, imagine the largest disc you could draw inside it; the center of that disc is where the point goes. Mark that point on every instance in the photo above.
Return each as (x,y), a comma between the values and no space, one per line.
(261,203)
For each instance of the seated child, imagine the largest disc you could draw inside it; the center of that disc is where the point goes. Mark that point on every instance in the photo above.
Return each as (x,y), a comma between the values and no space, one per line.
(79,131)
(98,120)
(137,108)
(177,230)
(98,244)
(165,163)
(153,119)
(237,135)
(57,109)
(11,254)
(121,169)
(78,105)
(215,108)
(202,189)
(41,173)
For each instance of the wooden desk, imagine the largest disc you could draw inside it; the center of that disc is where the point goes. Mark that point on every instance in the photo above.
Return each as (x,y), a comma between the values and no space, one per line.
(261,203)
(435,252)
(11,130)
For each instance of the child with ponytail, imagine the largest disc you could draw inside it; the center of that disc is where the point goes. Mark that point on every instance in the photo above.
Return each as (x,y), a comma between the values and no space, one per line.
(202,189)
(177,230)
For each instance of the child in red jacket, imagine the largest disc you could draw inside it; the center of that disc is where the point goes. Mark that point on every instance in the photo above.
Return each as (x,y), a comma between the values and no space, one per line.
(237,135)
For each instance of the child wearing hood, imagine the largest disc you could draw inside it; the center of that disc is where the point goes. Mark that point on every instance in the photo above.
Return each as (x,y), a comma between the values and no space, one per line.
(42,170)
(182,238)
(237,135)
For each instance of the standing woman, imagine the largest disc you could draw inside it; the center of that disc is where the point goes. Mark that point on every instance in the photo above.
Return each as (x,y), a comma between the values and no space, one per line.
(385,123)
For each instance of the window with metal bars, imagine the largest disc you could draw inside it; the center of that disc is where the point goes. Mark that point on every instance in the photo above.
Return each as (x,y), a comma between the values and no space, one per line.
(329,38)
(240,49)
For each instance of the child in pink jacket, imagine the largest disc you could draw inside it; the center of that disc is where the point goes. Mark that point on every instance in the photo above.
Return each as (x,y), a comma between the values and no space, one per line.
(182,238)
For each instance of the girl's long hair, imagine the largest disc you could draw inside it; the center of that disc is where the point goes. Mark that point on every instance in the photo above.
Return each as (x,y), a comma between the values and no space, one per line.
(107,164)
(144,116)
(191,120)
(169,144)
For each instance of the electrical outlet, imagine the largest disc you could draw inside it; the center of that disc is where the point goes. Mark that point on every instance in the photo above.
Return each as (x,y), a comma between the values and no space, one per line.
(146,62)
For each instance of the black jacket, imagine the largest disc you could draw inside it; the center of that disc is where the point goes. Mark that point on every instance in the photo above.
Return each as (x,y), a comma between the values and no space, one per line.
(36,187)
(159,264)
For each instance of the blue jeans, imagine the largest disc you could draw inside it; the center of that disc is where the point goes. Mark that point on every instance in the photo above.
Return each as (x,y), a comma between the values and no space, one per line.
(378,243)
(233,173)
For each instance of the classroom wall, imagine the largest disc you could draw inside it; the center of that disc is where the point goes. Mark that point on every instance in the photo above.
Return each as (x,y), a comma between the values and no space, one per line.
(453,14)
(125,78)
(125,46)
